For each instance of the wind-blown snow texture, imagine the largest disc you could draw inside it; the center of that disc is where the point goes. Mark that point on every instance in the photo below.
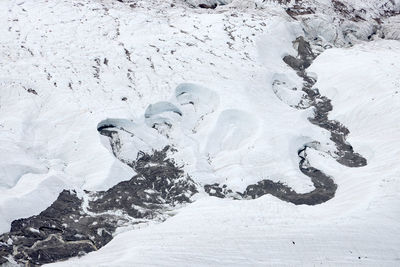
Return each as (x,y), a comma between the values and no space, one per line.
(114,116)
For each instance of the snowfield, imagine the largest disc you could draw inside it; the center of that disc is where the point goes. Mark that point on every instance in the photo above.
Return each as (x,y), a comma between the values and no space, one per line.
(358,227)
(211,83)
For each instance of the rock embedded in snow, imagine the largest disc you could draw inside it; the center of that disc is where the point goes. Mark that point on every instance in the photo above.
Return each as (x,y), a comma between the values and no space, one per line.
(76,224)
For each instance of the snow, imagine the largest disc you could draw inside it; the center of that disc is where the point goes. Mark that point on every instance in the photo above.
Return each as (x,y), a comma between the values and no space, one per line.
(357,227)
(391,28)
(217,69)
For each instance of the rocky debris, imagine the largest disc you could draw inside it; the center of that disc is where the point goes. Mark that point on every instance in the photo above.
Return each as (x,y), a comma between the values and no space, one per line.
(325,187)
(61,231)
(30,90)
(297,9)
(213,6)
(207,4)
(344,9)
(81,222)
(221,191)
(347,11)
(342,22)
(322,106)
(73,226)
(304,58)
(159,185)
(113,136)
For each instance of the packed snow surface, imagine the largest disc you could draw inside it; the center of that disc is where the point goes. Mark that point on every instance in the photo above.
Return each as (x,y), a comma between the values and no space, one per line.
(206,76)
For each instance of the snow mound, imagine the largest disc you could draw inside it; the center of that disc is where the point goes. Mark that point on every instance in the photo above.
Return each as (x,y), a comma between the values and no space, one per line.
(230,132)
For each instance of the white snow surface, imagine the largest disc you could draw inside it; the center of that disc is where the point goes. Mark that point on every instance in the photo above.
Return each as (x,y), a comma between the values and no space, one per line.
(66,66)
(359,227)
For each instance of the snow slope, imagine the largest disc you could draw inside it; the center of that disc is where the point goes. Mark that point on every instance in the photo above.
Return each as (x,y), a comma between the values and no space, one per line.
(82,59)
(76,89)
(67,66)
(359,226)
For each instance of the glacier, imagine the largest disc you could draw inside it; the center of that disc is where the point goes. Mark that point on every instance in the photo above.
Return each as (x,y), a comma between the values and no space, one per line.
(208,121)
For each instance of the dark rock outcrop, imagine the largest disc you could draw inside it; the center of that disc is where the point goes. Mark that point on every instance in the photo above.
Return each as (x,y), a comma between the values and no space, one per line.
(73,226)
(325,187)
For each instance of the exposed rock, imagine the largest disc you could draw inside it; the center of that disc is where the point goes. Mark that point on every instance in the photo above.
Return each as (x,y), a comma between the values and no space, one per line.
(325,187)
(81,222)
(73,226)
(213,6)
